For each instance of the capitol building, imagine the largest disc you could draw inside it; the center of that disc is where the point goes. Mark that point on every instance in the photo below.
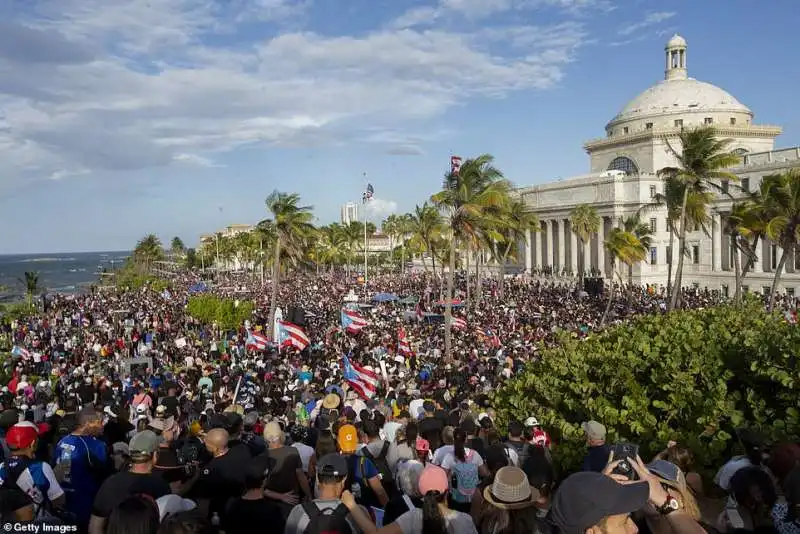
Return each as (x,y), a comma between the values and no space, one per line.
(622,179)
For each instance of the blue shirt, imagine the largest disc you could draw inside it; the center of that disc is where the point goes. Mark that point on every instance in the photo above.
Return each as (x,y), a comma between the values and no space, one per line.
(596,458)
(80,484)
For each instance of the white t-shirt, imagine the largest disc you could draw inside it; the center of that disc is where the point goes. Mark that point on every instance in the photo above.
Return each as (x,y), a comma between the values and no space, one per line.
(305,452)
(726,472)
(472,458)
(415,408)
(456,522)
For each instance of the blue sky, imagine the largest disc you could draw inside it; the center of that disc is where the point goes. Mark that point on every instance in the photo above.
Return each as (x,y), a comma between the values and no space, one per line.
(120,118)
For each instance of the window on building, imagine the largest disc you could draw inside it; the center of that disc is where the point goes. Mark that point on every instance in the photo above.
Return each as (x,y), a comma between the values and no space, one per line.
(708,120)
(696,285)
(724,185)
(648,125)
(653,224)
(766,290)
(789,291)
(653,256)
(652,191)
(733,121)
(669,255)
(678,123)
(625,130)
(746,184)
(797,260)
(624,164)
(745,289)
(773,256)
(725,290)
(695,254)
(740,151)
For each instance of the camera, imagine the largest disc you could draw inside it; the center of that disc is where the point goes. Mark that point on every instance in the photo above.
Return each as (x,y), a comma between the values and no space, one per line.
(625,453)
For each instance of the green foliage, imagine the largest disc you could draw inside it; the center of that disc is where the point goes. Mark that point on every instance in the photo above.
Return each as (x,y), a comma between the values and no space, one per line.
(133,277)
(224,312)
(14,311)
(690,376)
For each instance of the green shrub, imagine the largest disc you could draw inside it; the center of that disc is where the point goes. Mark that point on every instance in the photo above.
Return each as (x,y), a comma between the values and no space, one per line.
(225,312)
(689,376)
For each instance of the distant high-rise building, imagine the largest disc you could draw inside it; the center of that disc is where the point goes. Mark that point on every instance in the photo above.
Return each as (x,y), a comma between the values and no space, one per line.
(349,213)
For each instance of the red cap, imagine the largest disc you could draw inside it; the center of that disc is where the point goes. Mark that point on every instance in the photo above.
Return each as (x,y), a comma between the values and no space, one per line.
(22,435)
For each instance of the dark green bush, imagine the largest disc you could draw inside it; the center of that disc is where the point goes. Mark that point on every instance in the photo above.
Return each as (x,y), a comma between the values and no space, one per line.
(224,312)
(689,376)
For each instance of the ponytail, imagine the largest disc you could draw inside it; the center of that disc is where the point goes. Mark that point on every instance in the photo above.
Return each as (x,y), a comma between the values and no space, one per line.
(459,439)
(432,519)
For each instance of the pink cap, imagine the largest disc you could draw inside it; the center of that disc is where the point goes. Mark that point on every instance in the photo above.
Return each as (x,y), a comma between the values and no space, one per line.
(422,444)
(433,478)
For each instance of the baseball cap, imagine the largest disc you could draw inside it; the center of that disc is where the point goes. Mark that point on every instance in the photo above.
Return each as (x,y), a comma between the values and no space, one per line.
(160,425)
(173,504)
(332,465)
(273,432)
(433,478)
(531,421)
(347,438)
(584,499)
(594,430)
(22,435)
(143,443)
(250,419)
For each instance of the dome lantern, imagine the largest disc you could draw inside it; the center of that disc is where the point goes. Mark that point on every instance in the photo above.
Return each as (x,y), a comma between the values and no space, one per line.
(676,58)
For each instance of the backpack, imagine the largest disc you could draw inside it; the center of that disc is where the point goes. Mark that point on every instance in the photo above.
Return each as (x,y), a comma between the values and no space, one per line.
(326,521)
(464,480)
(357,482)
(383,467)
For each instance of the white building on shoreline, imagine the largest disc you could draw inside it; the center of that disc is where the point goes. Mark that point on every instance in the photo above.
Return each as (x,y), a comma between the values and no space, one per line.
(623,179)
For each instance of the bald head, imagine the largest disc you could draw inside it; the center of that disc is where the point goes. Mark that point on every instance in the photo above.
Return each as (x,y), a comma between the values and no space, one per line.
(217,441)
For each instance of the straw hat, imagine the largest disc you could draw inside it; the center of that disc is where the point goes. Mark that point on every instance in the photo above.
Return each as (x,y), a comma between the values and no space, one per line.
(510,490)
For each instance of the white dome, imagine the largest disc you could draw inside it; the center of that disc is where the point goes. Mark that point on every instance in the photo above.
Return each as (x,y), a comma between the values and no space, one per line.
(680,96)
(676,41)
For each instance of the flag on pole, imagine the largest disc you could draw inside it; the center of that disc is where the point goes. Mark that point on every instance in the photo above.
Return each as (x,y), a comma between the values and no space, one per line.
(289,334)
(488,337)
(368,194)
(455,164)
(418,311)
(403,346)
(256,341)
(458,323)
(352,321)
(363,381)
(20,352)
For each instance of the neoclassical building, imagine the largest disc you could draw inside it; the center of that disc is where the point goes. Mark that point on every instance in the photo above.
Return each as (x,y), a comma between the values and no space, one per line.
(623,179)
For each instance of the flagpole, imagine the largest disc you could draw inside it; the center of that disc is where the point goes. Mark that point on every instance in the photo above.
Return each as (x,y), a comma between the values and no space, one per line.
(364,202)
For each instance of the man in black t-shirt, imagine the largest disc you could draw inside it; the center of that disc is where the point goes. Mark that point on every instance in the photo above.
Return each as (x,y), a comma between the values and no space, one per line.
(430,428)
(139,479)
(223,477)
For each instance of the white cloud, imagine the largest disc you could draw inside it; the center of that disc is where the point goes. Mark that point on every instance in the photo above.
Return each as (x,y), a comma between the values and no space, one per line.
(379,208)
(132,84)
(651,19)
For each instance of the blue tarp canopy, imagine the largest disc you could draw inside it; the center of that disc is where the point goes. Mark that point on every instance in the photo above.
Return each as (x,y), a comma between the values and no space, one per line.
(199,287)
(385,297)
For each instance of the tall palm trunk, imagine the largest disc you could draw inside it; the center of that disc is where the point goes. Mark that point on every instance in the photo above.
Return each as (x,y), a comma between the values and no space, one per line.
(581,261)
(681,250)
(402,258)
(276,273)
(466,278)
(610,299)
(669,258)
(448,305)
(478,286)
(778,273)
(737,270)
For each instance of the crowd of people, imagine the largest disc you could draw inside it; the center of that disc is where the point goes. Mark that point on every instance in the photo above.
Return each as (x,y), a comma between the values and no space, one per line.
(124,414)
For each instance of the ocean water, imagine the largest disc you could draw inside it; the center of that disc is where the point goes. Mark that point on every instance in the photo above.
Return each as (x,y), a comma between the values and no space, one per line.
(58,273)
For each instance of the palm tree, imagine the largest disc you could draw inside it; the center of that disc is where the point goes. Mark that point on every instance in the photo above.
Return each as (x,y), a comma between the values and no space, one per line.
(621,246)
(643,233)
(148,250)
(293,226)
(514,223)
(782,203)
(31,284)
(425,227)
(701,164)
(177,247)
(404,229)
(468,198)
(391,227)
(585,223)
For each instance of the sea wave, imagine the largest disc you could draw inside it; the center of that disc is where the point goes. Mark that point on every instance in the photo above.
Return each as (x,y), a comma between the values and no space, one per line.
(44,260)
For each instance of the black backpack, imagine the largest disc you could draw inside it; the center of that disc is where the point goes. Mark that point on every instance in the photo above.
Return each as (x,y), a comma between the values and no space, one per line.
(326,521)
(380,462)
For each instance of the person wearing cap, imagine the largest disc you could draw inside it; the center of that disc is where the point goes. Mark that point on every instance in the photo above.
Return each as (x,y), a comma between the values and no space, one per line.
(137,479)
(250,436)
(433,487)
(535,434)
(287,480)
(596,449)
(81,459)
(599,503)
(334,499)
(21,470)
(363,474)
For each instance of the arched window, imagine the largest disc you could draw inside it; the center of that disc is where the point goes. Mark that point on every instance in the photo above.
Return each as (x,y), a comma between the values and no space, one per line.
(624,164)
(741,151)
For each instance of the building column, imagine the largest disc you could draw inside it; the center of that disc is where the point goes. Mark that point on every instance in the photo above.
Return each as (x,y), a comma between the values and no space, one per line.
(528,251)
(548,258)
(601,248)
(558,226)
(573,250)
(587,255)
(537,240)
(716,243)
(758,265)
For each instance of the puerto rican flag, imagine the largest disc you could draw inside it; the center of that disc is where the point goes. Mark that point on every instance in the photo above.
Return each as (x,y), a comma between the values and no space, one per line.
(20,352)
(85,321)
(352,321)
(362,381)
(489,337)
(418,311)
(256,341)
(458,323)
(403,346)
(291,335)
